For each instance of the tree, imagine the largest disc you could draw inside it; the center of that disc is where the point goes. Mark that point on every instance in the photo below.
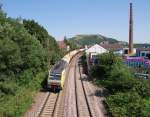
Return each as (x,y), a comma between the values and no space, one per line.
(126,104)
(48,42)
(19,51)
(72,45)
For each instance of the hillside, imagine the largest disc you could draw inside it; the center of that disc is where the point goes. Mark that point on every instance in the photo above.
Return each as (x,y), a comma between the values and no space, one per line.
(82,40)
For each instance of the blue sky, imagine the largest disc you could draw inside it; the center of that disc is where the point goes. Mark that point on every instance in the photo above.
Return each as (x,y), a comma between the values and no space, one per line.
(71,17)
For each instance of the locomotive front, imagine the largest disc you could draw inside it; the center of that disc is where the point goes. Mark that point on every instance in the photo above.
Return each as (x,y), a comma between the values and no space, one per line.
(54,81)
(56,75)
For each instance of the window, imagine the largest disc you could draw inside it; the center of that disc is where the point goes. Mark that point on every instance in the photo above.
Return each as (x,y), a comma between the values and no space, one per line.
(143,54)
(148,55)
(125,51)
(55,77)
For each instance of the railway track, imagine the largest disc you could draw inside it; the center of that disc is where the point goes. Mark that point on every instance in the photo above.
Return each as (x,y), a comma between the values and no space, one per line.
(54,103)
(49,107)
(82,103)
(75,100)
(95,106)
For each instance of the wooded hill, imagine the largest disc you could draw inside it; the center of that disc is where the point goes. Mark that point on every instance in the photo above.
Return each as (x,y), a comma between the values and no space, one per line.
(82,40)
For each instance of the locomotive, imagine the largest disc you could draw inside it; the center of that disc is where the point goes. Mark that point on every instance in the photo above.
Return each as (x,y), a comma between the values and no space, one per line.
(57,74)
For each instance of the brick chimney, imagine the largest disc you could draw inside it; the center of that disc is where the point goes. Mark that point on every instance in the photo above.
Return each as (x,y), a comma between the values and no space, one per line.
(130,30)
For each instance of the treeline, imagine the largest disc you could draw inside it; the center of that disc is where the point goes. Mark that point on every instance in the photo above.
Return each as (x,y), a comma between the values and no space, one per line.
(72,45)
(128,96)
(26,53)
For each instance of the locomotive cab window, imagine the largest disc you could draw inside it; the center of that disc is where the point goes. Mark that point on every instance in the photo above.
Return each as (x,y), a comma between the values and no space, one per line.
(55,77)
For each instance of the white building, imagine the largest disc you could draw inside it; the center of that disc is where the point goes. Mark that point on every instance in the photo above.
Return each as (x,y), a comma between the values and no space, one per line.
(95,50)
(143,52)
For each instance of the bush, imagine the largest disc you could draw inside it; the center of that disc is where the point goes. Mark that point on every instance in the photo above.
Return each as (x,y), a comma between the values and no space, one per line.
(99,71)
(128,97)
(105,64)
(8,88)
(16,105)
(126,104)
(142,87)
(120,79)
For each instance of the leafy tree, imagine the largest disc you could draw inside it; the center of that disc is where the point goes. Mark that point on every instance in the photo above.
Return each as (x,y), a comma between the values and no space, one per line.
(142,87)
(41,34)
(45,39)
(128,97)
(99,71)
(125,104)
(24,53)
(120,78)
(19,50)
(104,65)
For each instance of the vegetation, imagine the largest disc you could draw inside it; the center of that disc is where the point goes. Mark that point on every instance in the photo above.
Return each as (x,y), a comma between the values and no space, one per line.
(83,62)
(72,45)
(82,40)
(24,56)
(128,96)
(47,41)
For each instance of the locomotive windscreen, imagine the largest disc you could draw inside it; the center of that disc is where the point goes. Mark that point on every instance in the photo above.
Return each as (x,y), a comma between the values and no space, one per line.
(58,67)
(55,77)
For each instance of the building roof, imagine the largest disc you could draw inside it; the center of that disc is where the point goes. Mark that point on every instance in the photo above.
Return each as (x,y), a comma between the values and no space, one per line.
(115,46)
(96,49)
(62,44)
(143,49)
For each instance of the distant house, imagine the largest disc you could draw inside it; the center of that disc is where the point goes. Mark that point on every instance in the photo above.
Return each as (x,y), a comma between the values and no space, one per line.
(96,49)
(143,52)
(93,51)
(62,45)
(116,47)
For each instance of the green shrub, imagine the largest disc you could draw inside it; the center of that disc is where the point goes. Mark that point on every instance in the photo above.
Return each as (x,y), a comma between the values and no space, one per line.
(142,87)
(99,71)
(120,79)
(16,105)
(8,88)
(126,104)
(128,96)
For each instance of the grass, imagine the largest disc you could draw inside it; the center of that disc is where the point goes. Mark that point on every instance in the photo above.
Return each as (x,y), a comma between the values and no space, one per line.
(17,105)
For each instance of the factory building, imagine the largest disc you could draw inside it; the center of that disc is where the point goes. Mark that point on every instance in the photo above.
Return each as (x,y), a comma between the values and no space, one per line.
(143,52)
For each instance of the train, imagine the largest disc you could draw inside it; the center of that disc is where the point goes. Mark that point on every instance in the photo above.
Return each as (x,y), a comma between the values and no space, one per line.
(57,73)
